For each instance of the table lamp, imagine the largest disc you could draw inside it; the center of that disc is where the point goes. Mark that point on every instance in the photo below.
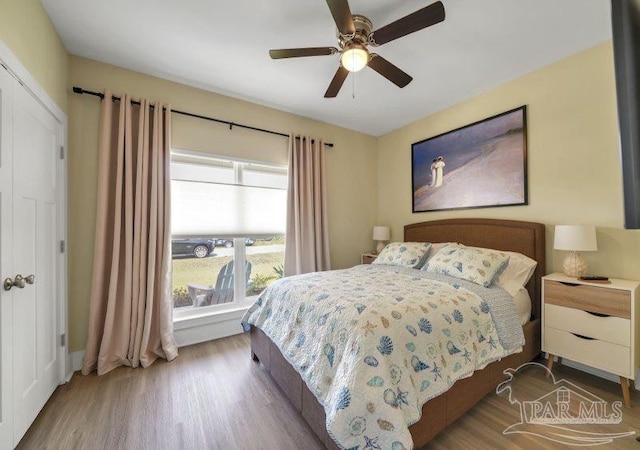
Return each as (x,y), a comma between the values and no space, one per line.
(380,234)
(575,238)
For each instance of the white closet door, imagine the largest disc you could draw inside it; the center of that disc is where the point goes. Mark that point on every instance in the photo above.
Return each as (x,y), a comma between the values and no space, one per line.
(36,144)
(30,362)
(6,262)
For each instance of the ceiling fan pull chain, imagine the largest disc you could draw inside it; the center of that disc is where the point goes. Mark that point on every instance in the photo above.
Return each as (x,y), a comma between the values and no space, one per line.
(353,86)
(355,101)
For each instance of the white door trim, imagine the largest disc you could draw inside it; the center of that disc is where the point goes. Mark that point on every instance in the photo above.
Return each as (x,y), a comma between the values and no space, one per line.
(7,86)
(20,72)
(13,65)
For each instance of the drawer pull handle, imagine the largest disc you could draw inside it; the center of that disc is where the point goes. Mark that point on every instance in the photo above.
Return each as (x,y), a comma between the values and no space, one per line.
(598,314)
(568,284)
(583,337)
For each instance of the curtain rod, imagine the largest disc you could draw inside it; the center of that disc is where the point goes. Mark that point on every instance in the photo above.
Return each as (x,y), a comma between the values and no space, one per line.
(79,90)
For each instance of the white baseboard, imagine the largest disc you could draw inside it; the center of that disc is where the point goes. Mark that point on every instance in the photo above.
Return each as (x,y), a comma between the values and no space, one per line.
(75,363)
(597,372)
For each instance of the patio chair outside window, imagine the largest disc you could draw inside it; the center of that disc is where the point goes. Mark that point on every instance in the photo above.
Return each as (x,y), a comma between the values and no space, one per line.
(223,290)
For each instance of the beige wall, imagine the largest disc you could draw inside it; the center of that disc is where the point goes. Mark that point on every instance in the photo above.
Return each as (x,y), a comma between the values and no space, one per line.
(573,158)
(26,29)
(352,165)
(574,173)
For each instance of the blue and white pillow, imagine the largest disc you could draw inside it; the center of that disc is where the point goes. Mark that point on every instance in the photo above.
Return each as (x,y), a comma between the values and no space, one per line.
(478,265)
(405,254)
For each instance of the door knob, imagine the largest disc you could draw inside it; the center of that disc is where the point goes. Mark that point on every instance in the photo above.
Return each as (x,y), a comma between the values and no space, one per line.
(19,282)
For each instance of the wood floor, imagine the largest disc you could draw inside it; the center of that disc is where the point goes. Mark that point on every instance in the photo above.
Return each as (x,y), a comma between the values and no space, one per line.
(214,397)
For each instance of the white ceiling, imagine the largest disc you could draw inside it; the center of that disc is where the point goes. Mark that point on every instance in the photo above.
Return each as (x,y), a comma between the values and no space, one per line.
(222,46)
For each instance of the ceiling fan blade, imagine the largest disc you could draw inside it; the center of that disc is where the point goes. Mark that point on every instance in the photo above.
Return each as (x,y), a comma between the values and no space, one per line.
(336,83)
(342,16)
(389,71)
(299,52)
(416,21)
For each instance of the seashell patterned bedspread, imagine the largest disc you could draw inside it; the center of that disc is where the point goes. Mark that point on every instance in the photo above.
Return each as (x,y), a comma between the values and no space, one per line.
(374,343)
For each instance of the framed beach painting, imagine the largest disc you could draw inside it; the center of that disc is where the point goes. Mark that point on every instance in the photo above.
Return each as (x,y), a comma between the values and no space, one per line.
(480,165)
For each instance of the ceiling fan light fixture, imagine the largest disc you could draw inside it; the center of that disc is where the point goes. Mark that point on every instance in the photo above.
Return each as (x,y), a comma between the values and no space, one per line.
(354,58)
(355,33)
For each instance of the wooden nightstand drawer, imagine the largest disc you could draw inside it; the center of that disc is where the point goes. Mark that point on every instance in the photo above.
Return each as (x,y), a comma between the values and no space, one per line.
(368,258)
(593,352)
(612,302)
(610,328)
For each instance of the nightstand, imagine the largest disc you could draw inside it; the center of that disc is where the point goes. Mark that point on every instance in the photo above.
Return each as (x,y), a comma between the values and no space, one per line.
(593,324)
(368,258)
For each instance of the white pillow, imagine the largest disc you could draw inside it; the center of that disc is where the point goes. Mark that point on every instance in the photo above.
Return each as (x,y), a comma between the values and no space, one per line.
(517,273)
(478,265)
(522,300)
(405,254)
(515,276)
(437,246)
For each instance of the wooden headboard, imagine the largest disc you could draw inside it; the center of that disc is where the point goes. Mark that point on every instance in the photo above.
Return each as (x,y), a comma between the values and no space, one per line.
(527,238)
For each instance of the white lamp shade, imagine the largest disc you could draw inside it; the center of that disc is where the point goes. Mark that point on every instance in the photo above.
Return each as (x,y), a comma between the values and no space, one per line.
(381,233)
(579,238)
(355,58)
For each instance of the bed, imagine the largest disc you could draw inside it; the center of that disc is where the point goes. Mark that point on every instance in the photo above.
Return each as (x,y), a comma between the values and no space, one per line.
(526,238)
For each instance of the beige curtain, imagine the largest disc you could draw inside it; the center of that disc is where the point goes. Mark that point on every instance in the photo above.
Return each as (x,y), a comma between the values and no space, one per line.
(307,238)
(130,316)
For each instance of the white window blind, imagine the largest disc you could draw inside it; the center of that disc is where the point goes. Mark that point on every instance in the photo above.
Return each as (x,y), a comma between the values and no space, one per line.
(227,199)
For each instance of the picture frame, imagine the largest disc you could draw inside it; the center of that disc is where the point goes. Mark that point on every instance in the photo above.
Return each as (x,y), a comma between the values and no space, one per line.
(480,165)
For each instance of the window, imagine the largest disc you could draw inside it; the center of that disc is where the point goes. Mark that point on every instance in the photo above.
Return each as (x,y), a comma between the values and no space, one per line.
(225,213)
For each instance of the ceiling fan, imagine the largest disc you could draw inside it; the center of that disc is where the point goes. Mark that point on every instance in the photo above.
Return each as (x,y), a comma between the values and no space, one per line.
(355,35)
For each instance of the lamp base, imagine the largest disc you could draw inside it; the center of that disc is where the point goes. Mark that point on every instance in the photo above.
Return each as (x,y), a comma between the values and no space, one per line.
(381,245)
(574,265)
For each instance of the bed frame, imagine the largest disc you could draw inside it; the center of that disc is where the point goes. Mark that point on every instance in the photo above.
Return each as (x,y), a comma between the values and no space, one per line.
(527,238)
